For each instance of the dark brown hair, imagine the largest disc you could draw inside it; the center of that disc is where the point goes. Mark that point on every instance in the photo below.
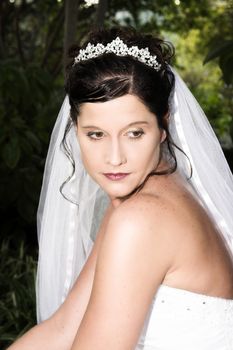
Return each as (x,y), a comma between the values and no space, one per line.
(109,76)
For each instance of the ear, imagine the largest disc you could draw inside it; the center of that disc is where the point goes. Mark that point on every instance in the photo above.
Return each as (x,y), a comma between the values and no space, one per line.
(163,131)
(163,136)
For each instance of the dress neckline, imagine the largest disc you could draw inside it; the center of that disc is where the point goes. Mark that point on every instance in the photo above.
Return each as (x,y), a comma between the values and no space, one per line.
(181,291)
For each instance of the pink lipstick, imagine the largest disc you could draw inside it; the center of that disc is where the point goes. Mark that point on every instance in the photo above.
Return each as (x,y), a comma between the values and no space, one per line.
(116,176)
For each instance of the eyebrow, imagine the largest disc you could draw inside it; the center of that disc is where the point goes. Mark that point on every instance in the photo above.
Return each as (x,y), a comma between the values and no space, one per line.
(131,124)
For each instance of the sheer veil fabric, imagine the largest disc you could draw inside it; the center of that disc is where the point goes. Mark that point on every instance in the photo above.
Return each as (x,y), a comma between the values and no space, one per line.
(67,226)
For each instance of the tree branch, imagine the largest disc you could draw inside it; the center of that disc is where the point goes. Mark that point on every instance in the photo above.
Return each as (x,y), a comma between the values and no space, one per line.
(18,36)
(53,37)
(2,51)
(71,16)
(100,13)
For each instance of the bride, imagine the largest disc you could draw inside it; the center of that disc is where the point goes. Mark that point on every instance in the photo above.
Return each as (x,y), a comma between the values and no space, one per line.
(133,158)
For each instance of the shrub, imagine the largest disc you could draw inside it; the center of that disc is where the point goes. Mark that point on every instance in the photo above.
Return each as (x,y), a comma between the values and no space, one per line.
(17,292)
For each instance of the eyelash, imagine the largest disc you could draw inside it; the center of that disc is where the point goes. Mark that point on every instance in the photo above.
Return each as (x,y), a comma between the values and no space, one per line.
(139,133)
(93,134)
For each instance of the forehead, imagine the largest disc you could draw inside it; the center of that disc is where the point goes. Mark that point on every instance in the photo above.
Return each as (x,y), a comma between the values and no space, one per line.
(119,111)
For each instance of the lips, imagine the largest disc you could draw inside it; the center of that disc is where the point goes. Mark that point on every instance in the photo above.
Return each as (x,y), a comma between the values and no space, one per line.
(116,176)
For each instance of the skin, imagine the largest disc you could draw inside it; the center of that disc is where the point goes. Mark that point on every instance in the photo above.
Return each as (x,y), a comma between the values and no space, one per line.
(161,235)
(128,144)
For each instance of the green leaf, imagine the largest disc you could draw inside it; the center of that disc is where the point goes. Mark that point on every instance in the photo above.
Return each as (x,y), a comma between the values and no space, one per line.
(34,140)
(226,65)
(11,153)
(219,49)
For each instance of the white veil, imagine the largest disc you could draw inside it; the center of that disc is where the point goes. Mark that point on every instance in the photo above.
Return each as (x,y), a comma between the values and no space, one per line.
(67,228)
(66,222)
(212,178)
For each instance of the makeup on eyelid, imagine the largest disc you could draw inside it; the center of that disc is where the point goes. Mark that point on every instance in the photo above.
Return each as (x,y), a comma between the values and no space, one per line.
(98,135)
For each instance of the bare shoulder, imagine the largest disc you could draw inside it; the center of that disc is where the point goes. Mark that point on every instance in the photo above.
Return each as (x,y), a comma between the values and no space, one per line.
(166,218)
(146,213)
(144,224)
(138,228)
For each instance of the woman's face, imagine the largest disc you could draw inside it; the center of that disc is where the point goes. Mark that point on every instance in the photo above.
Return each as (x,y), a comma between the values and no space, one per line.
(120,143)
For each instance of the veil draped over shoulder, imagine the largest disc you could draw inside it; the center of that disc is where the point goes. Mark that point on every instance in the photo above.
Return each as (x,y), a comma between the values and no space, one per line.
(67,228)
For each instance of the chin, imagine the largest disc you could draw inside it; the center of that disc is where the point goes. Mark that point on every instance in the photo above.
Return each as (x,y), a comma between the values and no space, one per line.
(118,190)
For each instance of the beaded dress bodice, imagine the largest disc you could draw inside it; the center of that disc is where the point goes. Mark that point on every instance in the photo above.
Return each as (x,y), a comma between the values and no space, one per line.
(183,320)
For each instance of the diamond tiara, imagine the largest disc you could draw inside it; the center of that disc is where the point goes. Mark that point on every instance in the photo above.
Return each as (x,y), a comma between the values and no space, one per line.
(119,48)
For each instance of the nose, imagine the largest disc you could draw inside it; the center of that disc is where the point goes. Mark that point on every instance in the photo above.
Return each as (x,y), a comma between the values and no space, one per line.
(115,154)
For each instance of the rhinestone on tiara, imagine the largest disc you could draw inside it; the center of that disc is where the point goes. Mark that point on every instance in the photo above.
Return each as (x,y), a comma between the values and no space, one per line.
(119,48)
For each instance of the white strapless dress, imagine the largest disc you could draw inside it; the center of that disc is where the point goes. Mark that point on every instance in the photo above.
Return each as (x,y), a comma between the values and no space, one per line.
(183,320)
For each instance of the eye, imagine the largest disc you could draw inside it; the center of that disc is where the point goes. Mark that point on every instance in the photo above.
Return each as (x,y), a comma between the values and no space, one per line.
(135,134)
(95,135)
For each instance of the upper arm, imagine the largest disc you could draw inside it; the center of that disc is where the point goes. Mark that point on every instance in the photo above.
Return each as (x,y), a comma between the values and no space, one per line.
(58,332)
(130,266)
(68,317)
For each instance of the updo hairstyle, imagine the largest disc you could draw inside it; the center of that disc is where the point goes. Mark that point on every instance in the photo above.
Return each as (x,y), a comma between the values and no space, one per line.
(109,76)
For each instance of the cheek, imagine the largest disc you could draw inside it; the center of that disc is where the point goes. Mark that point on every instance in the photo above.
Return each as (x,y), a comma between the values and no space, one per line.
(83,149)
(89,154)
(149,153)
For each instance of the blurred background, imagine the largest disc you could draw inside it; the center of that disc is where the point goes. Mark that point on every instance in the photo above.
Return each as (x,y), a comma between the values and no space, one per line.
(34,38)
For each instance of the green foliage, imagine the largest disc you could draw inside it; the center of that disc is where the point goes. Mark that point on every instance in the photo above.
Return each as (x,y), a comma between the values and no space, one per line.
(28,105)
(153,15)
(205,82)
(224,52)
(17,293)
(220,40)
